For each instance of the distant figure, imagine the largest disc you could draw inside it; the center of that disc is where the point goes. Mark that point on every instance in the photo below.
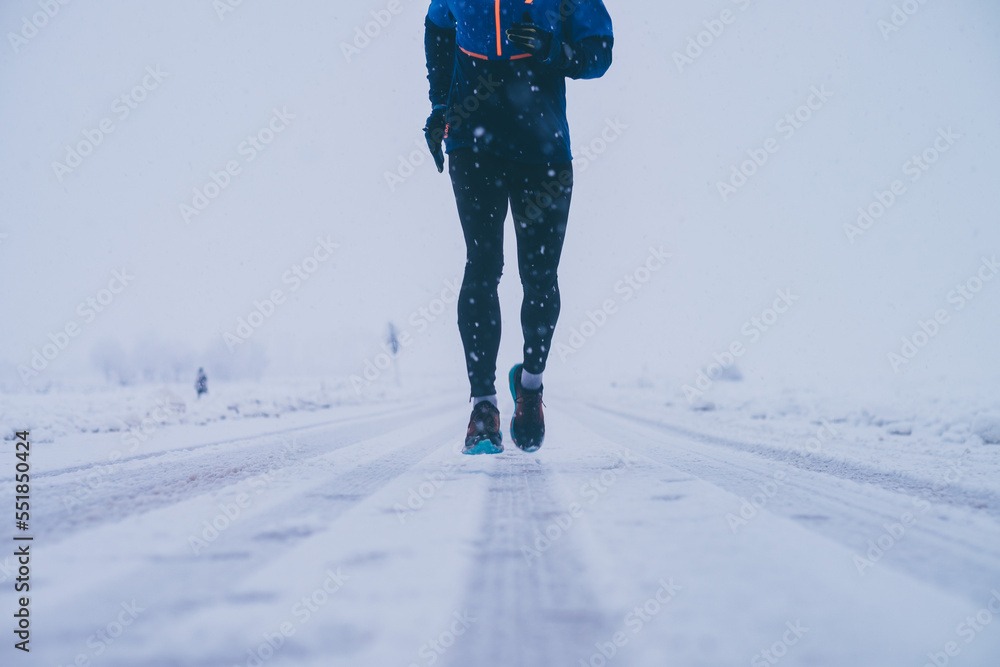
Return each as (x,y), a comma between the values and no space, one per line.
(201,383)
(394,345)
(393,339)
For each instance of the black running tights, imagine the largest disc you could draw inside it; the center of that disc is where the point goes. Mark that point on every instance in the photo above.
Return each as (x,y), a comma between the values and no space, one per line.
(539,197)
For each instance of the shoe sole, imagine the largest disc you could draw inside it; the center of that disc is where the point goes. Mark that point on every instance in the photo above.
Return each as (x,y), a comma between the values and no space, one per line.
(484,446)
(513,394)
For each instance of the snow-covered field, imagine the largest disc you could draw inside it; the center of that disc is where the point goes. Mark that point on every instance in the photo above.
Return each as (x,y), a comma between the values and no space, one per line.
(136,413)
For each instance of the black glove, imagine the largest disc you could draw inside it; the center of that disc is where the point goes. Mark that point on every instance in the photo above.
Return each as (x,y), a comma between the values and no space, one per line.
(530,38)
(434,133)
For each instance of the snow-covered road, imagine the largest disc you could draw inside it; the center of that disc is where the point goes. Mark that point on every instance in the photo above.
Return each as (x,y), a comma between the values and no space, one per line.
(363,538)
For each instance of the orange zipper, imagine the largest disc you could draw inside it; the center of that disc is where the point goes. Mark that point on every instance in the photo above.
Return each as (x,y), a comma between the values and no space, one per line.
(499,35)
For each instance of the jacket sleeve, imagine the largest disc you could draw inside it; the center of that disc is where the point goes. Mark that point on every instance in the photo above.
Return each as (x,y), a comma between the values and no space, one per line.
(587,39)
(439,46)
(588,58)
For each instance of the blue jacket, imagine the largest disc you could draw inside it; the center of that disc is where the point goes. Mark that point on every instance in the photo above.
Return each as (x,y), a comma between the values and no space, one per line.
(499,98)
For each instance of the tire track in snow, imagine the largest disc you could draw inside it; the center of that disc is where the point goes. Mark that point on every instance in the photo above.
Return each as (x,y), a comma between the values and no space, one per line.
(280,432)
(950,494)
(145,483)
(257,539)
(267,536)
(961,556)
(526,614)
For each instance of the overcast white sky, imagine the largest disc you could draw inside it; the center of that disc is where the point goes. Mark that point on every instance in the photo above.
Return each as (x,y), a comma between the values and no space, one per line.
(347,123)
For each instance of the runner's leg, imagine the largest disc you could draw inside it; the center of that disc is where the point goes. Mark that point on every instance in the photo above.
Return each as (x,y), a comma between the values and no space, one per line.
(481,194)
(540,199)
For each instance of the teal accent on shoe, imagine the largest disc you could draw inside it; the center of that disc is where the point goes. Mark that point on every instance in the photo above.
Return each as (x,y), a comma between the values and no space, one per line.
(512,381)
(484,446)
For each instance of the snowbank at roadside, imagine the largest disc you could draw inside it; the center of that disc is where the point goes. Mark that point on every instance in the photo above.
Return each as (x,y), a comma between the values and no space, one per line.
(80,408)
(937,435)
